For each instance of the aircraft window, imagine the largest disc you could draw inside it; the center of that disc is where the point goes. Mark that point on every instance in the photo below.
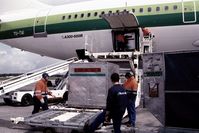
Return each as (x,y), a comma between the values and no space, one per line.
(141,10)
(102,13)
(175,7)
(133,10)
(69,16)
(89,14)
(95,14)
(166,8)
(125,10)
(149,9)
(82,15)
(63,17)
(75,16)
(158,9)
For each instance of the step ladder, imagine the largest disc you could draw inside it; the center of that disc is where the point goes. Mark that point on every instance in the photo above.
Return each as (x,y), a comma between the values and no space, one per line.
(33,76)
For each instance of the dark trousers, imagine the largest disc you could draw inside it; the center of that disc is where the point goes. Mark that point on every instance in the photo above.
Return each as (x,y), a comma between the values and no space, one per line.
(38,104)
(117,120)
(120,46)
(95,124)
(131,109)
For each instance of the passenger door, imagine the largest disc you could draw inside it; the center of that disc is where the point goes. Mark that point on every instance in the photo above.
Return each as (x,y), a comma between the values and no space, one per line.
(189,11)
(39,26)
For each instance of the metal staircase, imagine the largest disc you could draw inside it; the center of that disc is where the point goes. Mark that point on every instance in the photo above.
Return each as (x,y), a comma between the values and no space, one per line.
(33,76)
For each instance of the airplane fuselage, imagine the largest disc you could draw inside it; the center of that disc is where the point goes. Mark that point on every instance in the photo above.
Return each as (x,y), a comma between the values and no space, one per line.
(58,31)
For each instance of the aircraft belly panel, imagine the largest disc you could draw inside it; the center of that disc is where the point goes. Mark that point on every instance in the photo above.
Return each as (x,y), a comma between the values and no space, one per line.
(63,46)
(175,38)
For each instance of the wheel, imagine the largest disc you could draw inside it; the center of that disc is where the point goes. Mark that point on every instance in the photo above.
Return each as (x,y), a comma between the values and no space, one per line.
(65,97)
(26,100)
(8,101)
(49,130)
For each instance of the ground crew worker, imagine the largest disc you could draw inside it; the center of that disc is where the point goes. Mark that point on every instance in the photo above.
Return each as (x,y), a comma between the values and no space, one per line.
(120,40)
(116,103)
(40,94)
(146,32)
(131,87)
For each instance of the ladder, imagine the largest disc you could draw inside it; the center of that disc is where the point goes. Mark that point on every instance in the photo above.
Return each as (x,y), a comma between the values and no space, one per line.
(33,76)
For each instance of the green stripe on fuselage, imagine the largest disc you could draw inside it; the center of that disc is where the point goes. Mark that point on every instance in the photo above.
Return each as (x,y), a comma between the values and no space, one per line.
(88,25)
(55,23)
(97,24)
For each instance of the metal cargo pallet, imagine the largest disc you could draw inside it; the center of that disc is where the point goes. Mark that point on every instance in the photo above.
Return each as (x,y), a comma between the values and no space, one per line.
(59,120)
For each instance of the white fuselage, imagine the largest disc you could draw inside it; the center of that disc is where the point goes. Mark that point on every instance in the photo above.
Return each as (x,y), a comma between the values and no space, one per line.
(63,45)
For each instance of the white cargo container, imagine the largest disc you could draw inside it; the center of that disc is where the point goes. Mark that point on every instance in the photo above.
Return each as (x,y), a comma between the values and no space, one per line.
(89,83)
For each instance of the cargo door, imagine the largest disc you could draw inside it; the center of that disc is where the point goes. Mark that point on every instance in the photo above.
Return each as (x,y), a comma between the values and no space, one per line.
(125,23)
(39,26)
(189,11)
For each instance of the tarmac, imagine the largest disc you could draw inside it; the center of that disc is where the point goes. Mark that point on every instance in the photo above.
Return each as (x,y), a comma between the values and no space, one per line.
(146,122)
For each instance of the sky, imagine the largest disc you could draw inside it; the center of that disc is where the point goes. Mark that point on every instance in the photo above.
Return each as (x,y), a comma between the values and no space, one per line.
(14,60)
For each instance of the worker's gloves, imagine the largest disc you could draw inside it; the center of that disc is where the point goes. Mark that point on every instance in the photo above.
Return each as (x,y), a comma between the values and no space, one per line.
(42,101)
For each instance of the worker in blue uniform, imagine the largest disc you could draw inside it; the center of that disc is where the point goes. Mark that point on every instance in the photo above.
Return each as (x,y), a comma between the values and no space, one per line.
(115,107)
(116,103)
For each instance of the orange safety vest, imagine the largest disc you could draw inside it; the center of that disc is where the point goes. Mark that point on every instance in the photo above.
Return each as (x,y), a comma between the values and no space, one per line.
(131,84)
(41,89)
(145,31)
(120,38)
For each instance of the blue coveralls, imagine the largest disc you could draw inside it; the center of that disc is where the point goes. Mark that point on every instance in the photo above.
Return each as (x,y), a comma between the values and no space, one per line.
(116,103)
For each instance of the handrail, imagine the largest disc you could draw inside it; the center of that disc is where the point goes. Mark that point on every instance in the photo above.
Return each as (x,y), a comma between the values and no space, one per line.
(40,69)
(33,76)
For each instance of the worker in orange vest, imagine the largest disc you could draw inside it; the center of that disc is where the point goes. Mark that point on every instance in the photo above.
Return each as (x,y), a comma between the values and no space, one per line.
(131,87)
(146,32)
(120,40)
(40,94)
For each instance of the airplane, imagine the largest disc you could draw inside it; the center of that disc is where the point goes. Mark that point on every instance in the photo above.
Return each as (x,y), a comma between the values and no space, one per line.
(58,31)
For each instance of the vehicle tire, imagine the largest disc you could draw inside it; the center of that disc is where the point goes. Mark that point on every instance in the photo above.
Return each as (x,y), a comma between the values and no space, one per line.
(49,130)
(65,97)
(26,100)
(8,101)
